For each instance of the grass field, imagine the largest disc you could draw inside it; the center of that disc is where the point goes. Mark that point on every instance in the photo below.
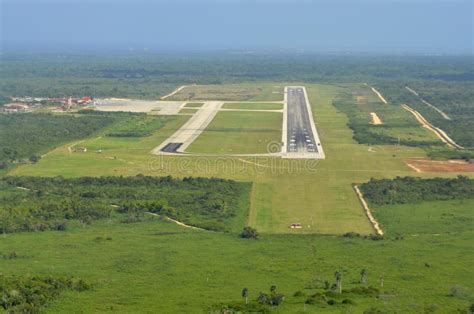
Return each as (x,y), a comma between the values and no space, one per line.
(194,105)
(253,106)
(187,271)
(239,132)
(318,195)
(237,92)
(163,267)
(188,110)
(435,217)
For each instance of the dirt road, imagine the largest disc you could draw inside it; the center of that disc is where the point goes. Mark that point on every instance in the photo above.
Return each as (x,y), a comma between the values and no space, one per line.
(426,124)
(444,115)
(173,92)
(379,95)
(372,220)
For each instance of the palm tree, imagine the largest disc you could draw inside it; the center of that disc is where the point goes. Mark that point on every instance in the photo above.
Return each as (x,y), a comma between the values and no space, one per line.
(245,294)
(338,276)
(363,276)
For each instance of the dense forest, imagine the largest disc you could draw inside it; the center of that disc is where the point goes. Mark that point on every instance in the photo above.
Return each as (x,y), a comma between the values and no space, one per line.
(27,136)
(403,190)
(150,75)
(36,204)
(31,294)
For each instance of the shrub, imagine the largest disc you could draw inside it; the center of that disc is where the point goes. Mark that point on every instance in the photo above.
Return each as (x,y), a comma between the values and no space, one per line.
(249,233)
(331,302)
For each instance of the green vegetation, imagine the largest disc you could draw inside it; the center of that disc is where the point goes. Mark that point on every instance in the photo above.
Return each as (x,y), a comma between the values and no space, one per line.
(137,125)
(153,255)
(453,98)
(410,270)
(239,92)
(321,193)
(399,126)
(411,205)
(31,294)
(27,136)
(414,190)
(466,154)
(253,106)
(188,111)
(437,218)
(194,105)
(214,204)
(240,132)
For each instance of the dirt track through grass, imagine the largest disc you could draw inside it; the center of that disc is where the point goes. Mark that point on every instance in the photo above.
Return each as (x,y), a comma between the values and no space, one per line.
(426,124)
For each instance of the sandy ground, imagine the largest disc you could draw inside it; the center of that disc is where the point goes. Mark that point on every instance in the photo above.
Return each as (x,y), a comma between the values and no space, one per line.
(376,119)
(444,115)
(426,165)
(379,95)
(372,220)
(131,105)
(439,133)
(193,127)
(173,92)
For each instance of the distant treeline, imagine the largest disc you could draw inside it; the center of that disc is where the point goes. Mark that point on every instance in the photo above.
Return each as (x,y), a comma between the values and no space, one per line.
(152,75)
(36,203)
(403,190)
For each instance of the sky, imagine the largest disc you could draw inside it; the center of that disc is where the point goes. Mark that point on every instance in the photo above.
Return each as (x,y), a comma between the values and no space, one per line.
(380,26)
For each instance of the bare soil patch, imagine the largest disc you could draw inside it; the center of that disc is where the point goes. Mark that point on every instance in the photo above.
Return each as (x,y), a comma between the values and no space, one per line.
(361,100)
(376,119)
(426,165)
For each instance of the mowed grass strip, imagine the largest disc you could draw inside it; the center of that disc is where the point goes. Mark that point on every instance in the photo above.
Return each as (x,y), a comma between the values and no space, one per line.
(188,111)
(194,105)
(239,132)
(253,106)
(234,92)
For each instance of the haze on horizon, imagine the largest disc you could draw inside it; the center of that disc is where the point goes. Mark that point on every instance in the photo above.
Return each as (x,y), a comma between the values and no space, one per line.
(384,26)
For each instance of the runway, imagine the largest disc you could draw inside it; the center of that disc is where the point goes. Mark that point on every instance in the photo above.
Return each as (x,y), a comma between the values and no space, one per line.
(181,139)
(302,140)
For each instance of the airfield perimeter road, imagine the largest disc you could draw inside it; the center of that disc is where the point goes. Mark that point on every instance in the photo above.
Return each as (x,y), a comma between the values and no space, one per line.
(302,137)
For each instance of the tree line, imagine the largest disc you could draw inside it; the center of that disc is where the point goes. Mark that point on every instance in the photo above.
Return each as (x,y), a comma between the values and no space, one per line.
(403,190)
(50,203)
